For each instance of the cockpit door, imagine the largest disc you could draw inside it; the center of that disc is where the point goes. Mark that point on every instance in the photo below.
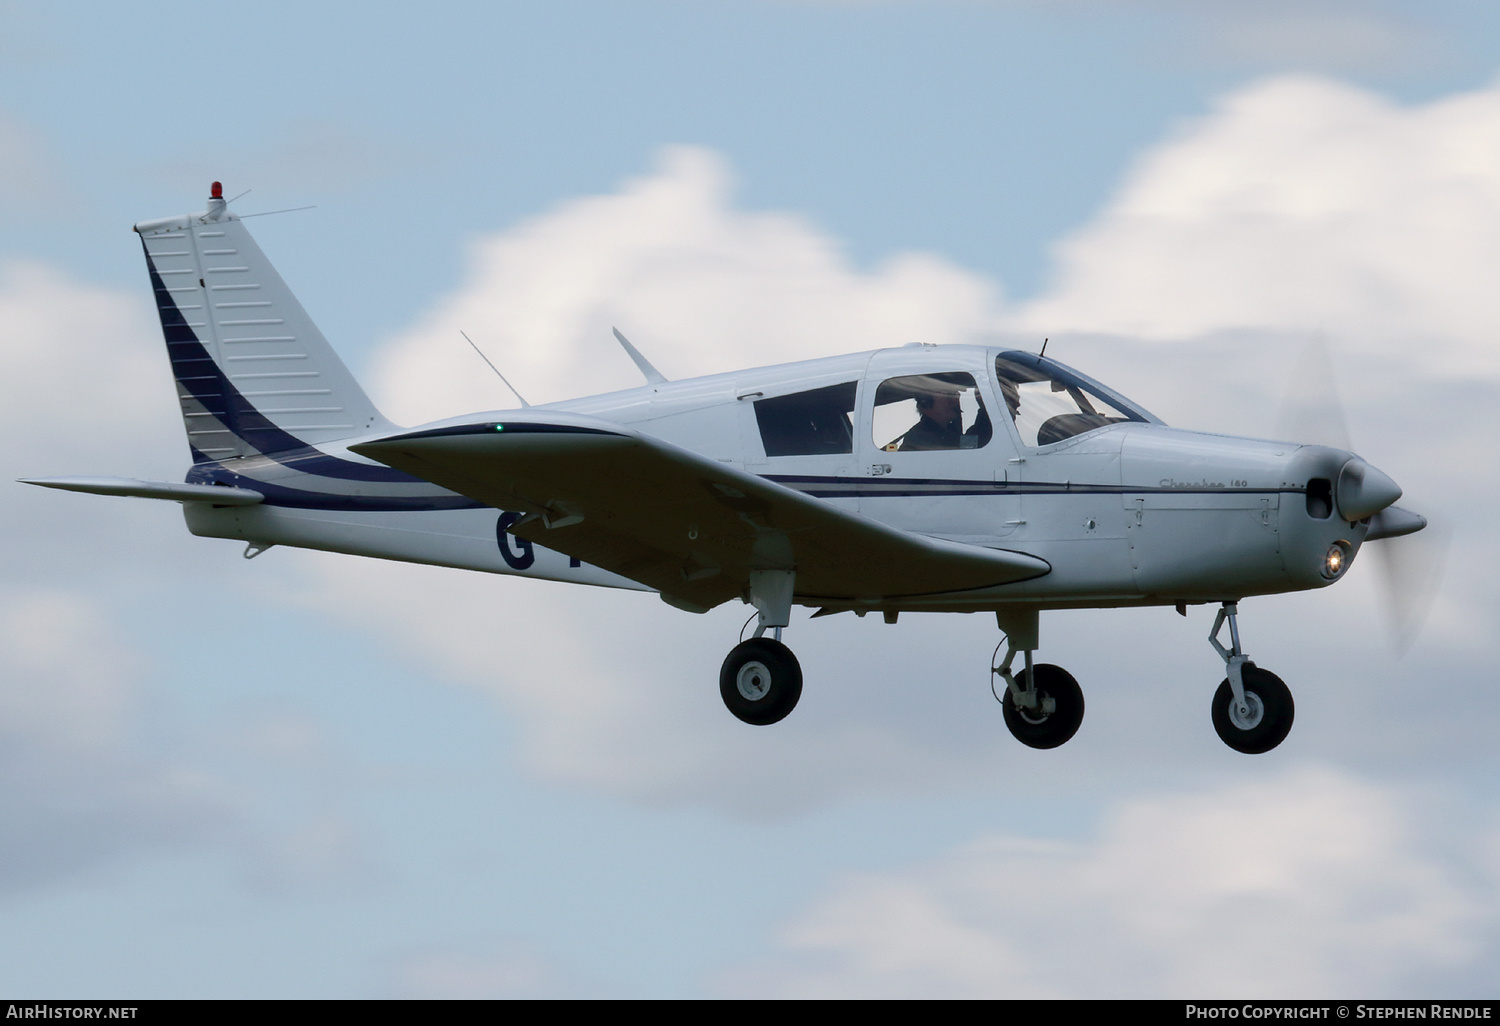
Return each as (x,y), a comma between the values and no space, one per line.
(931,456)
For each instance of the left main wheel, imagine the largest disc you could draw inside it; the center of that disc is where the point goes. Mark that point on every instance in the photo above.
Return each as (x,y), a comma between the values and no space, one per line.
(760,681)
(1046,730)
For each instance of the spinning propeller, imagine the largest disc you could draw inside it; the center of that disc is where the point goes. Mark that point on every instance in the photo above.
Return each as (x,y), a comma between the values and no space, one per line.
(1410,563)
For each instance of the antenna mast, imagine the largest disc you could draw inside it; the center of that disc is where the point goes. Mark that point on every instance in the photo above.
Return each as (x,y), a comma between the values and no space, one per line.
(524,404)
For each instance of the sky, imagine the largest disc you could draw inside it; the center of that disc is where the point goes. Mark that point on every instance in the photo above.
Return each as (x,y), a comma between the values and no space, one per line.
(316,776)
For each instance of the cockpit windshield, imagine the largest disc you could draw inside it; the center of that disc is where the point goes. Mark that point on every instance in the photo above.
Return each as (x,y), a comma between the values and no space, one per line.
(1050,402)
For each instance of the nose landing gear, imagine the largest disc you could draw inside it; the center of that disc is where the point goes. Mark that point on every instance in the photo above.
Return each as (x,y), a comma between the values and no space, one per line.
(1253,708)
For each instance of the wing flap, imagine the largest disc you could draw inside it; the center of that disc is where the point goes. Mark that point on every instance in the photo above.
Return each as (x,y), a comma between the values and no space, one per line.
(690,527)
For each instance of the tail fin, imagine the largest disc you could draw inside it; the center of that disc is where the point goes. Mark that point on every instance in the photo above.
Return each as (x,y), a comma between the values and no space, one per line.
(253,372)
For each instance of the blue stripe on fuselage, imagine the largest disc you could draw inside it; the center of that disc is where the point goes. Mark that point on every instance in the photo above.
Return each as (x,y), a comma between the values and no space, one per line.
(200,374)
(889,487)
(212,472)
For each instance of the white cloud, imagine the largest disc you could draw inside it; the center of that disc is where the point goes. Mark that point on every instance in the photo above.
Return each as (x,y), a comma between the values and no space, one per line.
(73,792)
(696,284)
(86,390)
(1307,884)
(1303,205)
(79,790)
(86,370)
(66,670)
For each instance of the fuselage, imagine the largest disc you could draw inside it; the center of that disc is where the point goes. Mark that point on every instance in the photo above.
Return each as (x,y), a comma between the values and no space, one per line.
(1029,456)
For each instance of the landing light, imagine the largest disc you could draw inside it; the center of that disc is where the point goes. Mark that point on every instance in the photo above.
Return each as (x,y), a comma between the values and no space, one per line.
(1335,561)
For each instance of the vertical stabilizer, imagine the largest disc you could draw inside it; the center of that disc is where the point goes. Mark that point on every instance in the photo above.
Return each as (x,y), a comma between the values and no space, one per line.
(254,373)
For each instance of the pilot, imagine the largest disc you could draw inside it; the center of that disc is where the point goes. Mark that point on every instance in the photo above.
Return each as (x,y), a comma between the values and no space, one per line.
(941,425)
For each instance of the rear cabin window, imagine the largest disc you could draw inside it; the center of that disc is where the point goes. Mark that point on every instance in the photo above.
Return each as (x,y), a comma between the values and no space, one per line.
(814,423)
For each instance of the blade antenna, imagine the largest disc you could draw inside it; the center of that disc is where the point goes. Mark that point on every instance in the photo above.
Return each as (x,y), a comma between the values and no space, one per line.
(524,404)
(1044,348)
(653,376)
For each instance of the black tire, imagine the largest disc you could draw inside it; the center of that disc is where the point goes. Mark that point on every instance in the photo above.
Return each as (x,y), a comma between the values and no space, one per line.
(1271,707)
(1055,728)
(760,681)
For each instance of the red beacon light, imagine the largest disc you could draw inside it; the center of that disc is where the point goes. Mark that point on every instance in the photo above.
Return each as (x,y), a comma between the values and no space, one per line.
(216,191)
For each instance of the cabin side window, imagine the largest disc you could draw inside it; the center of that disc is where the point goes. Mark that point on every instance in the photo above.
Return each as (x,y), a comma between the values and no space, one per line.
(812,423)
(924,412)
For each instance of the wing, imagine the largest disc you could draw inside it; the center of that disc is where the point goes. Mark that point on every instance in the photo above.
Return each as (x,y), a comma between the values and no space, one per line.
(688,526)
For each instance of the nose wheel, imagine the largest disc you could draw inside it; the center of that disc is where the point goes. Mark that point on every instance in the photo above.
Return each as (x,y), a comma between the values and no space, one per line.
(1263,721)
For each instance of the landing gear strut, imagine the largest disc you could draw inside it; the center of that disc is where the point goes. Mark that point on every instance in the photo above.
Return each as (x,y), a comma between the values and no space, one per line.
(1043,705)
(1253,708)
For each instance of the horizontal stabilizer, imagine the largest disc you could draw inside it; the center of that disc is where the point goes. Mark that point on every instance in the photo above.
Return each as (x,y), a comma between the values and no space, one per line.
(690,527)
(215,494)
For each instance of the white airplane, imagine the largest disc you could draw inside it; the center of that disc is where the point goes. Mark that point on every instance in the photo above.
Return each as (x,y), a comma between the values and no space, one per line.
(923,478)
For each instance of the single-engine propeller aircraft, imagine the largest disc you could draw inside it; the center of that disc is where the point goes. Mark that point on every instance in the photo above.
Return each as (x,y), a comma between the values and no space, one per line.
(923,478)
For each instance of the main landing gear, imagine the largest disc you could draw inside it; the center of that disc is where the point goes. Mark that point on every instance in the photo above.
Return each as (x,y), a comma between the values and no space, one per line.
(1043,705)
(761,680)
(1253,708)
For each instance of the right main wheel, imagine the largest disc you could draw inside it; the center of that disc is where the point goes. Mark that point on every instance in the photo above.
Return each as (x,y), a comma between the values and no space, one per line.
(1046,730)
(760,681)
(1270,717)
